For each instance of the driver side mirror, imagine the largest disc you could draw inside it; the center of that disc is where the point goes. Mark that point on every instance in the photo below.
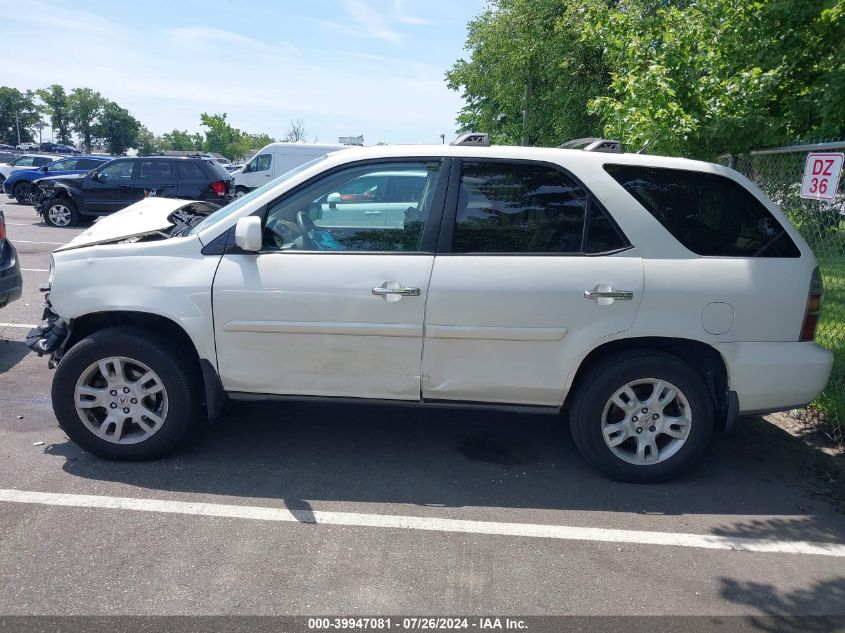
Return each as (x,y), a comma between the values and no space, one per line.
(44,169)
(249,234)
(333,199)
(98,177)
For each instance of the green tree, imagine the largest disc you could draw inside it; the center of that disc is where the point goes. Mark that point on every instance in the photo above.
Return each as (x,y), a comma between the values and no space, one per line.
(18,111)
(530,74)
(117,128)
(716,76)
(56,106)
(257,141)
(147,143)
(181,140)
(84,108)
(222,138)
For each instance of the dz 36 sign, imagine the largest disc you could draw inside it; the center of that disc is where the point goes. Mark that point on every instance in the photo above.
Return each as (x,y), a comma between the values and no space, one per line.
(821,176)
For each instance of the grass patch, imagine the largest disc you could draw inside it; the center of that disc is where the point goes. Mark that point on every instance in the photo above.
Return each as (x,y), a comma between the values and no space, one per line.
(831,335)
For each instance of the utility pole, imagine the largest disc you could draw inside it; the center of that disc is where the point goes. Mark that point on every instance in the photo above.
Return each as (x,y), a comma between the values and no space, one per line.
(18,127)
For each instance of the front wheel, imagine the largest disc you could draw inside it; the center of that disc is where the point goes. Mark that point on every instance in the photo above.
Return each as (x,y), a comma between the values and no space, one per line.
(123,394)
(61,212)
(642,417)
(21,192)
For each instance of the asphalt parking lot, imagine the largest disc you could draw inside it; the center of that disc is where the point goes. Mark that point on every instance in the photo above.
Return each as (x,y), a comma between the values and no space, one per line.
(340,509)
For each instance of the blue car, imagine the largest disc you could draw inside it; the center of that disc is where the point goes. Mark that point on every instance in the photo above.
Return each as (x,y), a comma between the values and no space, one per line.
(18,184)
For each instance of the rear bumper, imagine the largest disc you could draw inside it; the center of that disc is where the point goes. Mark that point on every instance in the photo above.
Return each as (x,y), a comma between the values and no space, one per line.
(776,376)
(11,282)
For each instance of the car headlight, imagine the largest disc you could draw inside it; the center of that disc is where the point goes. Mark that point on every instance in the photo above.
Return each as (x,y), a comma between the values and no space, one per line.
(52,271)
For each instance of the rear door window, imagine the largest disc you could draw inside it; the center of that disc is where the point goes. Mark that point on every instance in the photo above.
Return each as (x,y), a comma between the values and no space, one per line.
(518,208)
(155,172)
(708,213)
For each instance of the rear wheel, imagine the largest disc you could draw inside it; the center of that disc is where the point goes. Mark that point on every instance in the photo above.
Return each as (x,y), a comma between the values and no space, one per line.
(21,192)
(642,417)
(61,212)
(124,394)
(240,192)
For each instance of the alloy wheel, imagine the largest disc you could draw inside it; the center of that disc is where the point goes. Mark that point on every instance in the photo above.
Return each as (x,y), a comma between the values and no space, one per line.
(121,400)
(59,215)
(646,421)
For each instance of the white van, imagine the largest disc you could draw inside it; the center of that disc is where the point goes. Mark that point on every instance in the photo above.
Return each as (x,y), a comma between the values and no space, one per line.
(274,160)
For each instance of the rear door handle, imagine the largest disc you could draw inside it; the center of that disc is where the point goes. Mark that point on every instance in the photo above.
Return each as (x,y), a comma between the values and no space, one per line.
(604,294)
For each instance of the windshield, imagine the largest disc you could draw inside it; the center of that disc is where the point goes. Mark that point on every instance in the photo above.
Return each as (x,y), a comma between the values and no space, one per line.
(224,212)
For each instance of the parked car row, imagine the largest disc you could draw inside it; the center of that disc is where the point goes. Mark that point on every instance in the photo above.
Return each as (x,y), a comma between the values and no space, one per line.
(66,190)
(54,148)
(18,184)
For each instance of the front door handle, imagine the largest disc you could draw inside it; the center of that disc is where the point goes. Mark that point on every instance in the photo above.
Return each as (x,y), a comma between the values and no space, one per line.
(392,291)
(402,291)
(604,294)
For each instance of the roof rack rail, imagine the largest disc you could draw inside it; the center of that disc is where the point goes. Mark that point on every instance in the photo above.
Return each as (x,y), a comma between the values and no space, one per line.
(595,145)
(472,139)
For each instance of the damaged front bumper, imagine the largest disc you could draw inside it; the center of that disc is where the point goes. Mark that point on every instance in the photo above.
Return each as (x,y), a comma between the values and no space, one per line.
(51,336)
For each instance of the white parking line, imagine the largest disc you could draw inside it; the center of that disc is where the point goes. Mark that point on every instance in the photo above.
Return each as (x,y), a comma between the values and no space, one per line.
(33,242)
(355,519)
(36,270)
(20,325)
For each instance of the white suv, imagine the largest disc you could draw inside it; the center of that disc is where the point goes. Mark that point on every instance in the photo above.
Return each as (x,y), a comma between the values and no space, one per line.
(651,299)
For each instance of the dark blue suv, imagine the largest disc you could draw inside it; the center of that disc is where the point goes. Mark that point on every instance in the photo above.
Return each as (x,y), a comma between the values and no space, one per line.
(19,183)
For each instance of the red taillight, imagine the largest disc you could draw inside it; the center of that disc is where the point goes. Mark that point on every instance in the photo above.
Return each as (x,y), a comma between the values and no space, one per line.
(814,307)
(2,229)
(219,188)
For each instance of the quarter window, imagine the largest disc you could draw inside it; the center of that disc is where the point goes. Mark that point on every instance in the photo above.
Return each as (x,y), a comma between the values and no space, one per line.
(189,171)
(518,208)
(342,212)
(708,213)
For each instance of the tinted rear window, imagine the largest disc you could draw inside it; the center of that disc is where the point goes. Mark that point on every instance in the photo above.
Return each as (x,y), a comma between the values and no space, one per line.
(190,171)
(709,214)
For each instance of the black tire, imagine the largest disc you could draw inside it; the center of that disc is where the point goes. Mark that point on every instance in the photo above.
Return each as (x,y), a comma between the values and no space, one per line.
(21,192)
(174,366)
(593,392)
(73,214)
(241,192)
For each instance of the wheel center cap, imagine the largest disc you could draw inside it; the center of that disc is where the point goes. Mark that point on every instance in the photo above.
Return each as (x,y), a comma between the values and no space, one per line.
(122,400)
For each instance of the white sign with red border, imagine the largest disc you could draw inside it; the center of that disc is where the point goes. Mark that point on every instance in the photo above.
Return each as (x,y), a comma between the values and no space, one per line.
(821,175)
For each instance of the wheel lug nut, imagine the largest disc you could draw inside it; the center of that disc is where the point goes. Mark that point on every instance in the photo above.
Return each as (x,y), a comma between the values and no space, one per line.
(113,405)
(634,419)
(639,429)
(126,390)
(655,416)
(652,428)
(645,410)
(113,392)
(134,401)
(126,410)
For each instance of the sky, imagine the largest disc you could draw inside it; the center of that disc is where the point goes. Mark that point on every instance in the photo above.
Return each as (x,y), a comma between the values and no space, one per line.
(345,67)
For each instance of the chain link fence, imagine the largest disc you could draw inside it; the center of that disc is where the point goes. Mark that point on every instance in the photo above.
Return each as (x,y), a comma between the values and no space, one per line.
(778,172)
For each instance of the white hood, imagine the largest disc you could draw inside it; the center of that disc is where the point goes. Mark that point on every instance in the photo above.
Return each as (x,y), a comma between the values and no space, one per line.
(150,215)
